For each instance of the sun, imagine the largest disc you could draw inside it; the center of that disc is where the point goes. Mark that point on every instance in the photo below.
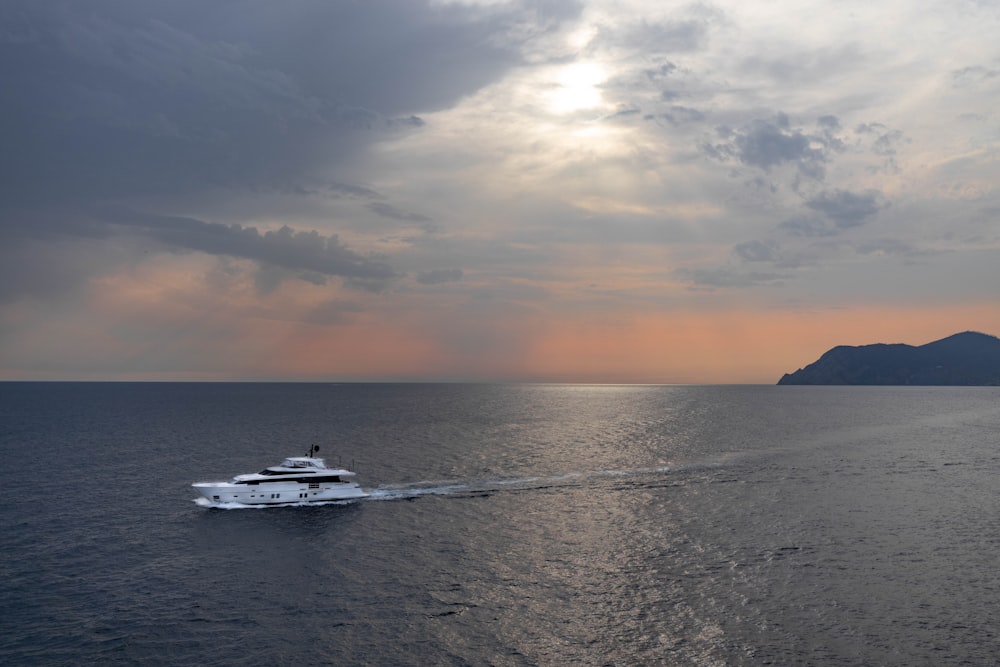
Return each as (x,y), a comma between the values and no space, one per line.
(577,87)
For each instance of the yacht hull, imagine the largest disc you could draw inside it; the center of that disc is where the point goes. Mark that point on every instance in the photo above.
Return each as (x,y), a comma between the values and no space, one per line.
(278,493)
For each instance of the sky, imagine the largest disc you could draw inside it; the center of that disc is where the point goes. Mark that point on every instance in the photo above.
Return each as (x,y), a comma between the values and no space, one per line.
(612,191)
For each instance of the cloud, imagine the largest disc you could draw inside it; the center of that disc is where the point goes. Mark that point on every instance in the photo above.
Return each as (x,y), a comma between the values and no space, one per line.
(657,74)
(828,123)
(726,277)
(973,75)
(392,213)
(679,115)
(350,191)
(774,142)
(798,68)
(808,226)
(755,251)
(836,211)
(623,113)
(656,37)
(847,209)
(885,144)
(285,248)
(45,269)
(438,276)
(886,246)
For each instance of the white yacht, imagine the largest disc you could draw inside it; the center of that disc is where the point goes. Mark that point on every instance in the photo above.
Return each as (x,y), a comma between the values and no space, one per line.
(299,479)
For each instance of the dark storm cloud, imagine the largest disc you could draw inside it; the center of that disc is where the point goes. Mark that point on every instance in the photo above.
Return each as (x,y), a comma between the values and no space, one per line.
(772,142)
(110,100)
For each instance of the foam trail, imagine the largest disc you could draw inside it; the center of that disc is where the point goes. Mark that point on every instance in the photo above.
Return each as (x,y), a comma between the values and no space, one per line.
(488,486)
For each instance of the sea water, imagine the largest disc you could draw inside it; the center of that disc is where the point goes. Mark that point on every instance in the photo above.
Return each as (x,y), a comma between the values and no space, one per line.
(507,525)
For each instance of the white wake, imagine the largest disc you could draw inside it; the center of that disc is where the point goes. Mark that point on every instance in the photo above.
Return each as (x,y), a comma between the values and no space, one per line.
(489,486)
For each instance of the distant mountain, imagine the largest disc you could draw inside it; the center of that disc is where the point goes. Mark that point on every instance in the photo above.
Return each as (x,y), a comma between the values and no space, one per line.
(968,358)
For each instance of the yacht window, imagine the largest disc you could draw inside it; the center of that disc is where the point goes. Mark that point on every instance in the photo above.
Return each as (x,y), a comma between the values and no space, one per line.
(299,480)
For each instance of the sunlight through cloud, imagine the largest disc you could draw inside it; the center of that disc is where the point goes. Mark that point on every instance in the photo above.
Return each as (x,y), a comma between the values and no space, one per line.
(577,87)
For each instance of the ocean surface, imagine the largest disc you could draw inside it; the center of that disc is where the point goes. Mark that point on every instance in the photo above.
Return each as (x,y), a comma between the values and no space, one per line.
(508,525)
